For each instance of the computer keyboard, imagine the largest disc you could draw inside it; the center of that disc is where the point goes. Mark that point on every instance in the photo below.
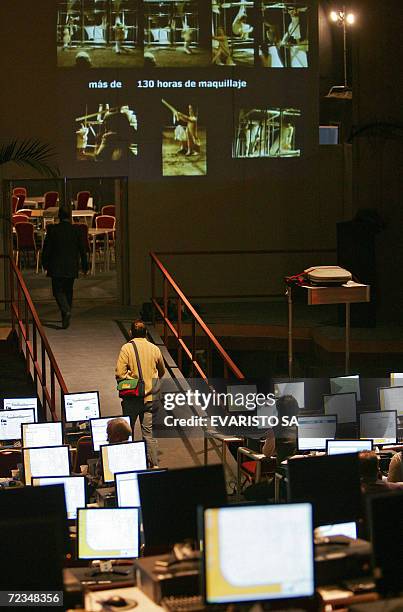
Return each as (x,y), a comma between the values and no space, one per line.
(183,603)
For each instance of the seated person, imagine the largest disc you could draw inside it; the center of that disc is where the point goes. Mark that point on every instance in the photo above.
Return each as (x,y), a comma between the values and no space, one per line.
(395,473)
(371,476)
(117,431)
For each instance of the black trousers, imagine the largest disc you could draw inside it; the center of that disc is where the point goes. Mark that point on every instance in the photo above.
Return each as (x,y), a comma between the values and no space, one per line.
(63,293)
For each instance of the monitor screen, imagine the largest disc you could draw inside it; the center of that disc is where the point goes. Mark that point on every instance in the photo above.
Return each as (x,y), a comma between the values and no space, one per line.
(186,488)
(344,529)
(379,426)
(344,405)
(108,533)
(391,398)
(98,431)
(18,403)
(74,491)
(396,379)
(241,397)
(346,384)
(339,447)
(81,406)
(296,389)
(42,434)
(313,479)
(123,457)
(46,461)
(11,421)
(386,527)
(127,488)
(256,546)
(313,431)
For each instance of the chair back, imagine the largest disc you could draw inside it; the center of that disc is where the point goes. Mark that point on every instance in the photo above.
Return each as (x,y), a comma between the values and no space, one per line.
(105,222)
(82,199)
(20,191)
(109,209)
(50,199)
(83,228)
(8,461)
(84,452)
(25,236)
(14,203)
(21,200)
(20,219)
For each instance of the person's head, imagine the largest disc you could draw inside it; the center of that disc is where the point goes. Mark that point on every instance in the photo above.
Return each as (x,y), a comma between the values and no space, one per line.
(287,405)
(83,60)
(369,466)
(138,329)
(64,214)
(118,430)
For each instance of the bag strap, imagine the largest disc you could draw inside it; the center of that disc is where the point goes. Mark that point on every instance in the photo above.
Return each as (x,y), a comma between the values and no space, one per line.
(136,352)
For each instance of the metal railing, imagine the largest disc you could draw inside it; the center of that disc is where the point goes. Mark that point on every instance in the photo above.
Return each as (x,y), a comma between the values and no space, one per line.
(184,305)
(33,344)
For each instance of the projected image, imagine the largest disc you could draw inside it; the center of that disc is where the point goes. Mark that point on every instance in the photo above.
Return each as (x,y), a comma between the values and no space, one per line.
(270,132)
(232,33)
(284,35)
(106,134)
(183,141)
(99,34)
(175,33)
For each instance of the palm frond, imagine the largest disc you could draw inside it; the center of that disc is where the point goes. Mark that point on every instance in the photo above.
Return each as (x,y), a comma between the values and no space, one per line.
(30,152)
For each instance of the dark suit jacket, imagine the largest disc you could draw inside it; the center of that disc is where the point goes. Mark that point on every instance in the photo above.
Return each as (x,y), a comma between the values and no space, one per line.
(63,247)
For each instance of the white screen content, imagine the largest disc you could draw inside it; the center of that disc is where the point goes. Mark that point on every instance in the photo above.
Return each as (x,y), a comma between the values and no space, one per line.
(22,402)
(242,398)
(42,434)
(343,405)
(379,426)
(108,533)
(98,430)
(267,537)
(126,457)
(391,398)
(340,447)
(81,406)
(46,462)
(11,421)
(313,431)
(396,379)
(127,490)
(344,529)
(296,389)
(346,384)
(74,491)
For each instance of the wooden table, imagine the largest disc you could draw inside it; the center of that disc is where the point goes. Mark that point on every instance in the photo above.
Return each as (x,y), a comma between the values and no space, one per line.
(87,215)
(350,293)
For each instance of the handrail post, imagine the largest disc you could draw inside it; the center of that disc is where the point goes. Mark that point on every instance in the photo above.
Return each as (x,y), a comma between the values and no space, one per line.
(152,291)
(165,298)
(35,351)
(12,296)
(27,361)
(52,392)
(44,378)
(179,318)
(193,345)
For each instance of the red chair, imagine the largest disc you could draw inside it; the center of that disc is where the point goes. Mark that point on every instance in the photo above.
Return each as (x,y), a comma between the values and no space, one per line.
(18,218)
(14,203)
(50,199)
(82,200)
(26,242)
(106,222)
(24,211)
(108,209)
(21,200)
(8,461)
(20,191)
(84,452)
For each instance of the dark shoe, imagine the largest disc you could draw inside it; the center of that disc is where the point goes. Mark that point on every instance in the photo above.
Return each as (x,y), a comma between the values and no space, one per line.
(66,320)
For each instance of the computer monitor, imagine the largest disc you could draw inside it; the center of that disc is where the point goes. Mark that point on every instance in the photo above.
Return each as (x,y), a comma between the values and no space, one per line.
(34,435)
(385,514)
(11,421)
(339,447)
(396,379)
(313,431)
(127,488)
(257,552)
(19,403)
(296,389)
(184,489)
(45,461)
(339,529)
(241,398)
(98,431)
(123,457)
(344,405)
(330,483)
(74,491)
(346,384)
(108,533)
(391,398)
(81,406)
(379,426)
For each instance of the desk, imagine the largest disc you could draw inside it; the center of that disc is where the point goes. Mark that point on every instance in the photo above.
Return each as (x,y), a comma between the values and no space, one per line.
(350,293)
(144,603)
(94,234)
(87,215)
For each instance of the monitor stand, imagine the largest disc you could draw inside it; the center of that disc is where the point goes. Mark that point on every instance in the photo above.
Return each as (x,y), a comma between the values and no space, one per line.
(106,567)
